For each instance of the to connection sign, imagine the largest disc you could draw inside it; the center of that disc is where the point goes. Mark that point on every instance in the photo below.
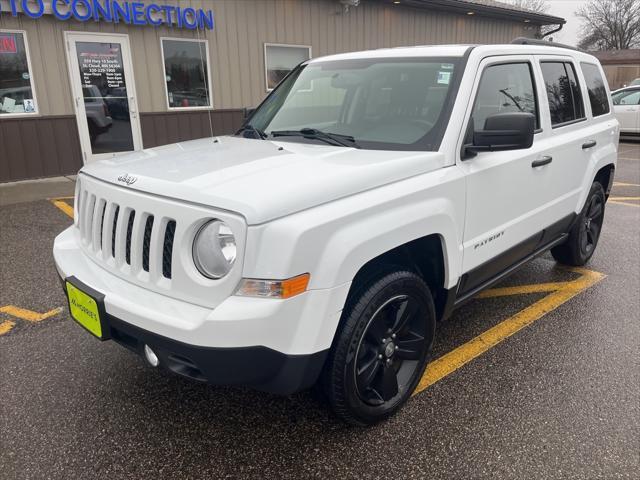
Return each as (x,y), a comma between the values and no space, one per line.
(116,11)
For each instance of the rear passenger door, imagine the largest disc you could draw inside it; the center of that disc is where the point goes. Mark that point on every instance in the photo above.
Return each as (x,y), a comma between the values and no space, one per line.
(575,139)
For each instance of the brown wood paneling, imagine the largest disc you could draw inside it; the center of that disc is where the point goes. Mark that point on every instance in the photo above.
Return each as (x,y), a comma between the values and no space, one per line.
(37,147)
(161,128)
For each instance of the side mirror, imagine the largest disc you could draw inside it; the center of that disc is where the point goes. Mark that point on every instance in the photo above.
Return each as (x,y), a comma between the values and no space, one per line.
(504,131)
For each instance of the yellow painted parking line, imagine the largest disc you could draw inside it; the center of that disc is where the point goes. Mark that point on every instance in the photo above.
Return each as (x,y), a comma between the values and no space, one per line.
(62,205)
(622,184)
(460,356)
(622,199)
(615,202)
(521,290)
(6,326)
(29,315)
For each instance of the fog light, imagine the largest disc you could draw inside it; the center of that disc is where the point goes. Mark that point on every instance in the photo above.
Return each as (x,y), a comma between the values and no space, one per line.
(151,356)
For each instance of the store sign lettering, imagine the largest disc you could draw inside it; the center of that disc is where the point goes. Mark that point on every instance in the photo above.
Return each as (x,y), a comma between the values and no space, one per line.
(8,44)
(116,11)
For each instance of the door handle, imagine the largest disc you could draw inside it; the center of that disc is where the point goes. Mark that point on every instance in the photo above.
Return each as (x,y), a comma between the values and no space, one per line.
(589,144)
(546,160)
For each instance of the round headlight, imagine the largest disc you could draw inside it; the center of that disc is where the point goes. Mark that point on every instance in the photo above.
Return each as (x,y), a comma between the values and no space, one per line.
(214,249)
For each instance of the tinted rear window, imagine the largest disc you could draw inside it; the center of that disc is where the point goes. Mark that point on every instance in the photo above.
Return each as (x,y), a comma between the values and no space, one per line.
(598,97)
(563,92)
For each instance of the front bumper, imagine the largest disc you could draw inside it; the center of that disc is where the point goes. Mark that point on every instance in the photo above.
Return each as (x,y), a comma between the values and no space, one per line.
(268,344)
(256,367)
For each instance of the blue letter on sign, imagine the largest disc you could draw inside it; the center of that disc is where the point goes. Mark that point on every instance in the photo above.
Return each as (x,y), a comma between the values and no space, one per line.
(77,13)
(137,13)
(103,11)
(29,13)
(56,12)
(205,19)
(148,12)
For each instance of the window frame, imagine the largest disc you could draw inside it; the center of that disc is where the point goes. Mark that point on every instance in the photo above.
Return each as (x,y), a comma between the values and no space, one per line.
(534,86)
(266,45)
(564,61)
(32,83)
(603,78)
(164,74)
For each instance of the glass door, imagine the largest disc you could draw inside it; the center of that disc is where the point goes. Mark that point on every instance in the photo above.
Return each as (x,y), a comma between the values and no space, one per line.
(104,94)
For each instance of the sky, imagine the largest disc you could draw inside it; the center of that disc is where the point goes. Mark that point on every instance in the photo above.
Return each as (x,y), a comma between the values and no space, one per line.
(566,9)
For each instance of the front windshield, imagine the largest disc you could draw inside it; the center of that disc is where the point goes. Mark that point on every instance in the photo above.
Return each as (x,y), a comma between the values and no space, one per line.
(387,104)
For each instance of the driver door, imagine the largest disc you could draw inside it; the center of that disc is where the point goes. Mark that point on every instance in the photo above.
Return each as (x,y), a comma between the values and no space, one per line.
(505,191)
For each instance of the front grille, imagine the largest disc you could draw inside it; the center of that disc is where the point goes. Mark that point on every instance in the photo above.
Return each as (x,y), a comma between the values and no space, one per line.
(146,239)
(128,233)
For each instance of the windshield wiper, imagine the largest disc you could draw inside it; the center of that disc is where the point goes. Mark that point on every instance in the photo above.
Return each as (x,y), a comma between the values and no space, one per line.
(332,138)
(250,128)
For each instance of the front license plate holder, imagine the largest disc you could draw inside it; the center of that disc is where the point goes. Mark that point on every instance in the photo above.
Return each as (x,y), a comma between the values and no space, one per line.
(86,307)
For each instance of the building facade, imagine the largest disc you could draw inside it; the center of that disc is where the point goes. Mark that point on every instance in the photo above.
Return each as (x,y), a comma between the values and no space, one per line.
(620,66)
(82,80)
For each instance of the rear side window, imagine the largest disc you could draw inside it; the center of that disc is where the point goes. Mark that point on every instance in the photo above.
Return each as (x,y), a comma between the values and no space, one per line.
(505,88)
(598,97)
(563,92)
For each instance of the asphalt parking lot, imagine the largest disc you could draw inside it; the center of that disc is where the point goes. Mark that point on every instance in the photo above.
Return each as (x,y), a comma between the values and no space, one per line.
(538,378)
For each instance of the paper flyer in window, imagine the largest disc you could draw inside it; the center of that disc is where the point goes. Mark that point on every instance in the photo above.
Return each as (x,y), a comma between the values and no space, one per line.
(8,105)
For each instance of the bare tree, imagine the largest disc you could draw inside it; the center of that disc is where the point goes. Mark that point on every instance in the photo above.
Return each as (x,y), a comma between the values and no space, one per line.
(538,6)
(610,24)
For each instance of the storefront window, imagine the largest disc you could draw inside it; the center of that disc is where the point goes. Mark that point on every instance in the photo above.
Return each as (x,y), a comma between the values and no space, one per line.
(16,89)
(186,68)
(279,60)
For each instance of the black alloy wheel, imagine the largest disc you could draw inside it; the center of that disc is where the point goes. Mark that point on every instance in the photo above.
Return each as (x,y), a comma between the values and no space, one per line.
(381,348)
(389,350)
(585,233)
(591,225)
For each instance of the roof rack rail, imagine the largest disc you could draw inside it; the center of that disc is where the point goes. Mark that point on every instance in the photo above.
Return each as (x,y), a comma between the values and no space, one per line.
(534,41)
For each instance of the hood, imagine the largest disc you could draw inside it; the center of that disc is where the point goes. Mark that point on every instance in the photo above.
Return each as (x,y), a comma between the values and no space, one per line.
(259,179)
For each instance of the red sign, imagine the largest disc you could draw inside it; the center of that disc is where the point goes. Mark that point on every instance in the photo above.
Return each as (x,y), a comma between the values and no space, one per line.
(8,44)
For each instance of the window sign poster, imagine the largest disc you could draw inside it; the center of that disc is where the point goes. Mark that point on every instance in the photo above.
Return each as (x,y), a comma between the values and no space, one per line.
(101,65)
(29,106)
(8,43)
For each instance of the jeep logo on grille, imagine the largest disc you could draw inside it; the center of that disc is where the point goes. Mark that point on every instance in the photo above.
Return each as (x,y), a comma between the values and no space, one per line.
(128,179)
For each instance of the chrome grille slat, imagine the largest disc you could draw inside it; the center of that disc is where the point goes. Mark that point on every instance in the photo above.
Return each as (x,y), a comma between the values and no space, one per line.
(156,247)
(137,237)
(107,230)
(96,227)
(121,235)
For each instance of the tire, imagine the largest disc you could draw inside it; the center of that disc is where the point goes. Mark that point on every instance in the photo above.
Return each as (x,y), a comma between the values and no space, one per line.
(585,233)
(381,350)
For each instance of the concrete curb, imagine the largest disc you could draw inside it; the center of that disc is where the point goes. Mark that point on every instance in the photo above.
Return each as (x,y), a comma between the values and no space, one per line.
(33,190)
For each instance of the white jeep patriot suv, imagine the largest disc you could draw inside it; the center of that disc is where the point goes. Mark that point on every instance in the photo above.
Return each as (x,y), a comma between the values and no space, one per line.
(365,198)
